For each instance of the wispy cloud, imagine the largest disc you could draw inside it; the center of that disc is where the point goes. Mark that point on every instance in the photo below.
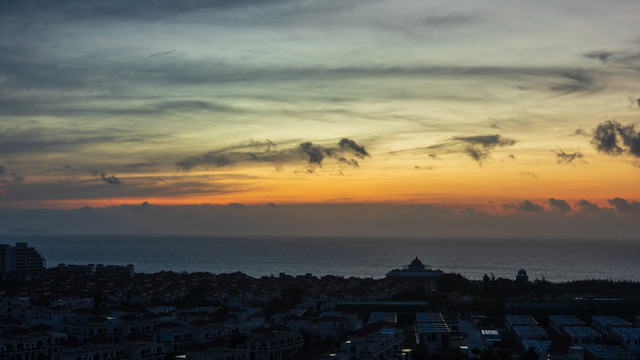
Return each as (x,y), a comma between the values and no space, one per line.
(100,174)
(567,158)
(311,154)
(476,147)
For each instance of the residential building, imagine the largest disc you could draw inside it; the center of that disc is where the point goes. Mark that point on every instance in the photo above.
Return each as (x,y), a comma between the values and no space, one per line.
(20,258)
(272,344)
(378,341)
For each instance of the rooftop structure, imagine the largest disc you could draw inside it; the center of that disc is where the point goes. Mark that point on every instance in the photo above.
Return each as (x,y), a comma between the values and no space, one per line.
(415,270)
(607,352)
(490,337)
(432,331)
(629,337)
(539,346)
(519,320)
(270,344)
(533,332)
(374,341)
(607,322)
(559,322)
(389,317)
(581,335)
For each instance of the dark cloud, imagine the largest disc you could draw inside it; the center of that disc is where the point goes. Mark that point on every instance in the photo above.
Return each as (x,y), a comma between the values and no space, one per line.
(603,56)
(586,205)
(486,141)
(315,153)
(623,205)
(476,147)
(613,138)
(525,206)
(560,205)
(307,152)
(350,144)
(475,153)
(567,158)
(103,176)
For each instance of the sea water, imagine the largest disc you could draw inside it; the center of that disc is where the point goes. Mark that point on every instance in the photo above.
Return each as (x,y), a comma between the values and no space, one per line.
(552,259)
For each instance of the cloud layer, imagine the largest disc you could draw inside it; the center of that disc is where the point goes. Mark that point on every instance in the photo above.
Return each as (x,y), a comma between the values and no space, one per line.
(528,219)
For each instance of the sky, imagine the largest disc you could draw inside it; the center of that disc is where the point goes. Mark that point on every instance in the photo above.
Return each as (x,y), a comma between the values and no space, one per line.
(363,117)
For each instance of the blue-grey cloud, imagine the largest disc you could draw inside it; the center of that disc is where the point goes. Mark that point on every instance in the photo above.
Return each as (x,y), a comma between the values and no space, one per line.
(524,206)
(326,219)
(560,205)
(586,205)
(623,205)
(353,146)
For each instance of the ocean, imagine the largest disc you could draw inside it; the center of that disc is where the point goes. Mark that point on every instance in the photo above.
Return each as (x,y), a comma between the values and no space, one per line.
(552,259)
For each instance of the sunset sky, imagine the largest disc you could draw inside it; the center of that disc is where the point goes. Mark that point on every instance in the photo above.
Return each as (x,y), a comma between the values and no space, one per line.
(514,111)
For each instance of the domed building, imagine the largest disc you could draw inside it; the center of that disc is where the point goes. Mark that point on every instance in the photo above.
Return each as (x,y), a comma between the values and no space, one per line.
(415,270)
(522,276)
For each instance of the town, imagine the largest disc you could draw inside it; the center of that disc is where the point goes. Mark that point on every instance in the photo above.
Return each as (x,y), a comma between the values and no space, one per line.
(110,312)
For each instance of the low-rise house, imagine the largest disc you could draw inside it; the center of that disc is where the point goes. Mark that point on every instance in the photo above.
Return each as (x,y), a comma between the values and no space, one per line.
(607,352)
(559,322)
(214,351)
(274,344)
(629,337)
(580,335)
(17,308)
(519,320)
(607,322)
(432,331)
(172,337)
(107,327)
(97,348)
(531,332)
(25,344)
(378,341)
